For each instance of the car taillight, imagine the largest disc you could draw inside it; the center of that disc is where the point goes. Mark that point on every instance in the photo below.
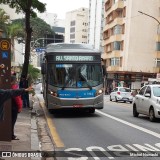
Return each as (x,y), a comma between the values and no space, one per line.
(119,93)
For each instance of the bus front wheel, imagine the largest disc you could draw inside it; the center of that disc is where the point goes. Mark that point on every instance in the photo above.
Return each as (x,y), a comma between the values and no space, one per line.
(91,110)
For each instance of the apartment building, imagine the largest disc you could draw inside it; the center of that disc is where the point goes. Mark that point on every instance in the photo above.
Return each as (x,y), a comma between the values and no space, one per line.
(131,42)
(96,23)
(76,28)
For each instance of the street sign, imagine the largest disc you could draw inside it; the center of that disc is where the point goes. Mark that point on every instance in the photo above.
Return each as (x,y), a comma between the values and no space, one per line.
(40,49)
(5,73)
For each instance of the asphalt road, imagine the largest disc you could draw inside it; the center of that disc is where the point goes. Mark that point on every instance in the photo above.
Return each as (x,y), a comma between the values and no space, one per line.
(112,130)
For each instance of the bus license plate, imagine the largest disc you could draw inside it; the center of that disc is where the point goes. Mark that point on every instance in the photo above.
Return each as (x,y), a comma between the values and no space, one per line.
(77,105)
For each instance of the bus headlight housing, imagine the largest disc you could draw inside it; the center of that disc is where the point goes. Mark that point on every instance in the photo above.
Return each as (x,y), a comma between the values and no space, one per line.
(99,92)
(53,93)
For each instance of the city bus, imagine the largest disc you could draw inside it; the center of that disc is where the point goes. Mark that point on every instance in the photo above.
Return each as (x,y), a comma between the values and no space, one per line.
(73,77)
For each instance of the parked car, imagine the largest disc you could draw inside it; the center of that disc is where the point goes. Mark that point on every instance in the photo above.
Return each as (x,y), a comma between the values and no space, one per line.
(121,94)
(147,102)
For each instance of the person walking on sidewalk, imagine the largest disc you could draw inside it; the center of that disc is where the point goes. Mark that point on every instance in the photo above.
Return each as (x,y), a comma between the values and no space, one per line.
(16,105)
(25,97)
(6,94)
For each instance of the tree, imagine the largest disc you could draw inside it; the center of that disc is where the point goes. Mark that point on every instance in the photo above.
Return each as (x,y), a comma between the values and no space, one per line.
(14,30)
(4,20)
(27,7)
(33,74)
(39,27)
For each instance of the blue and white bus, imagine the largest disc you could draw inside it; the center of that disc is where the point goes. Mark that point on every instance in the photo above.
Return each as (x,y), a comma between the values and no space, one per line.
(72,77)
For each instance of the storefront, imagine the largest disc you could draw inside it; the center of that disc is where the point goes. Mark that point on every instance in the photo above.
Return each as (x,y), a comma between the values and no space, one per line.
(131,80)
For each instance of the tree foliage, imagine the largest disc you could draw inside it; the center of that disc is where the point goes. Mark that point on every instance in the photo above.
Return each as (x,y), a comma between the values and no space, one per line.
(39,27)
(27,7)
(4,20)
(33,73)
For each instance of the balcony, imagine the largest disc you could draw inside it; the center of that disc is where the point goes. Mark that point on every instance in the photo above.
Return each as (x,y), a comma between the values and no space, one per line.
(114,68)
(156,69)
(118,37)
(117,6)
(109,55)
(116,21)
(108,5)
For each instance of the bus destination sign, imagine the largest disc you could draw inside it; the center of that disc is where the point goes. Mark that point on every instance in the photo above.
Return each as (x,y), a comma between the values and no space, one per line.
(74,58)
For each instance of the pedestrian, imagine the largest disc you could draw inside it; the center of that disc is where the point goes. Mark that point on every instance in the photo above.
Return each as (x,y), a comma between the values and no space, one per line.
(16,105)
(25,97)
(6,94)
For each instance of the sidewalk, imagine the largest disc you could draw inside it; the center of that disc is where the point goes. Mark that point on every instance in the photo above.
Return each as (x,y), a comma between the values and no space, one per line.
(31,129)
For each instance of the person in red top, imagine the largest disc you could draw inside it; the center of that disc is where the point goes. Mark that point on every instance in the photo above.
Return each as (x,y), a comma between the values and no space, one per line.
(16,105)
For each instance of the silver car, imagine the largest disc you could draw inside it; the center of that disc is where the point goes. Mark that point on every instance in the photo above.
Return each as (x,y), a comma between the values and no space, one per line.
(147,102)
(121,94)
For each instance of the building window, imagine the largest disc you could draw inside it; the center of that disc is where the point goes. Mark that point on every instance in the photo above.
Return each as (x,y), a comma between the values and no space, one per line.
(84,36)
(73,23)
(72,36)
(116,45)
(158,46)
(117,29)
(158,62)
(115,61)
(107,48)
(72,29)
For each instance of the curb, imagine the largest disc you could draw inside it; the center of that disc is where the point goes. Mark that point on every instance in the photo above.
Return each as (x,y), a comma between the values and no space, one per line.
(35,144)
(40,128)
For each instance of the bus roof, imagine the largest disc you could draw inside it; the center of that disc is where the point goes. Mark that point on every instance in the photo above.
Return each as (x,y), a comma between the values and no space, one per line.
(71,48)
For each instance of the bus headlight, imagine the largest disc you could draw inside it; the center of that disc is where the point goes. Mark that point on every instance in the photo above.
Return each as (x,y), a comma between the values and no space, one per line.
(53,93)
(100,91)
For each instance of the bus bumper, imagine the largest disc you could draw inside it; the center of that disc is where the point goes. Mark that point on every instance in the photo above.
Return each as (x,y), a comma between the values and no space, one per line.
(57,103)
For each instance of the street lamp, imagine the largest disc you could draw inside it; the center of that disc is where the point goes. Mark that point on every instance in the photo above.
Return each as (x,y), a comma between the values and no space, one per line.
(152,18)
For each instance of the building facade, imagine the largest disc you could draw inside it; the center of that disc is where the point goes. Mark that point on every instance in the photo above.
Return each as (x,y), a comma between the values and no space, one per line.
(76,28)
(131,42)
(96,23)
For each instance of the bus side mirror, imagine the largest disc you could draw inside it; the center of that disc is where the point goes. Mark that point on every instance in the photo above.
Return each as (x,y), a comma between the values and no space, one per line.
(43,68)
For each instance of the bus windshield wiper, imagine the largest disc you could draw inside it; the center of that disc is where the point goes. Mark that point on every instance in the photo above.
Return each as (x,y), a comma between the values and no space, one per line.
(69,78)
(89,86)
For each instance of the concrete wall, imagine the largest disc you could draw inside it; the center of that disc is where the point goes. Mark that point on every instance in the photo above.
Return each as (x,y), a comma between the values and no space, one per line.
(140,33)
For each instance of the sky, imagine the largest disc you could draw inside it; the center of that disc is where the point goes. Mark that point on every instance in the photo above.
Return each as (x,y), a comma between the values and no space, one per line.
(60,7)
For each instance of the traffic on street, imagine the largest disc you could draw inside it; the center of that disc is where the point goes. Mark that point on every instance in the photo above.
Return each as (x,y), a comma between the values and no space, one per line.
(112,132)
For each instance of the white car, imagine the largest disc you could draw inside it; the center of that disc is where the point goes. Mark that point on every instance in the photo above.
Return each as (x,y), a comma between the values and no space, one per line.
(121,94)
(147,102)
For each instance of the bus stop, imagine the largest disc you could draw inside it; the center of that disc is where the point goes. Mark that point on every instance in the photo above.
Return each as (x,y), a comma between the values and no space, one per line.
(5,73)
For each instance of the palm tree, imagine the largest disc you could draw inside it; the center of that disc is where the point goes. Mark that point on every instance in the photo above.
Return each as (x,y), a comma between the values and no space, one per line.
(4,20)
(14,30)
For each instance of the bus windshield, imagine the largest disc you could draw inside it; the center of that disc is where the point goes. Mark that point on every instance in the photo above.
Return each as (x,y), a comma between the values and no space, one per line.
(75,75)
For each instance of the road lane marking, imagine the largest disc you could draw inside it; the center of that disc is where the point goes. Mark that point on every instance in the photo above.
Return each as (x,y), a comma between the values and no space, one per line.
(120,104)
(131,125)
(55,136)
